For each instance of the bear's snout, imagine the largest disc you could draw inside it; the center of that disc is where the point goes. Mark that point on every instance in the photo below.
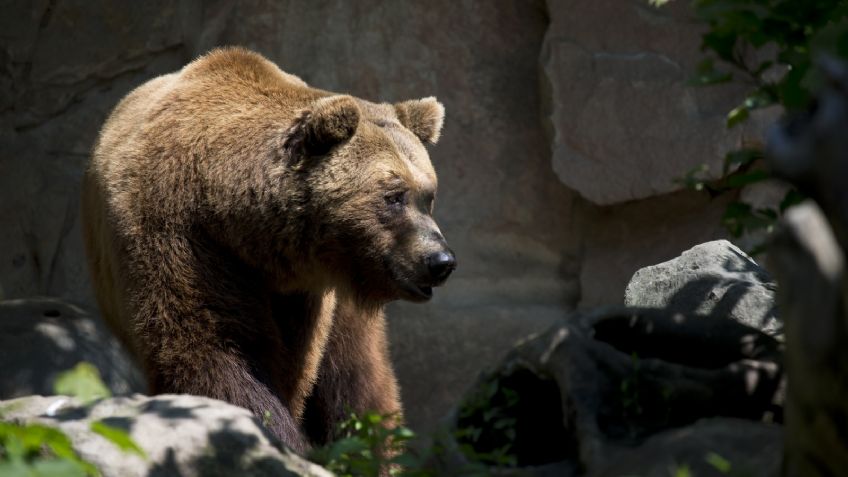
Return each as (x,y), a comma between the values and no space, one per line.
(440,265)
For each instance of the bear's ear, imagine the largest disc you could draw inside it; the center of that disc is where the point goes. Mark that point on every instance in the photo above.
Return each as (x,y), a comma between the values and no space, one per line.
(424,117)
(328,122)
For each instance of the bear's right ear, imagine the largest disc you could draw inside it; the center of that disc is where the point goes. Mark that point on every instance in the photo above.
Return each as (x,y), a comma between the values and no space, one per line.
(328,122)
(424,117)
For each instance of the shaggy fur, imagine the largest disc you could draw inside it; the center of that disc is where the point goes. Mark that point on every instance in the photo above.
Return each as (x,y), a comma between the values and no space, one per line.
(244,231)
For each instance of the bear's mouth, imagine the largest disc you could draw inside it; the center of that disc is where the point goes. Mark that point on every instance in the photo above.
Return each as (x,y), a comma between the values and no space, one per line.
(425,292)
(415,292)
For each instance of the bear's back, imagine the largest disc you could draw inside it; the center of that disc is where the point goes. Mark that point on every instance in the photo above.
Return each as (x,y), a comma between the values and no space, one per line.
(225,104)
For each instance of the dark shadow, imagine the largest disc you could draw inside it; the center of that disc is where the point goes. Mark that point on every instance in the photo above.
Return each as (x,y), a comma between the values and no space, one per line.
(75,413)
(167,468)
(229,453)
(43,337)
(530,406)
(123,423)
(696,293)
(675,369)
(694,340)
(164,409)
(167,410)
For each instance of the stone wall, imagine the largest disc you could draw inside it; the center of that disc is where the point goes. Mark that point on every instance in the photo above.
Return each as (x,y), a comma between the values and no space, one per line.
(566,125)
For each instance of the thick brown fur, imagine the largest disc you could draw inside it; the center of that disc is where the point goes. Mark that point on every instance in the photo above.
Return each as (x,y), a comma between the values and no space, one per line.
(244,231)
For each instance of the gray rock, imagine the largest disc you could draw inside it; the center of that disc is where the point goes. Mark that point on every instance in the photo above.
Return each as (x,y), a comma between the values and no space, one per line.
(710,447)
(620,384)
(714,278)
(41,337)
(616,74)
(182,436)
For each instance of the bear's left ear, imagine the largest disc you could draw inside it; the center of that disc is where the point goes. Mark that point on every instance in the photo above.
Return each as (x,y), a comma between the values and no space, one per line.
(424,117)
(328,122)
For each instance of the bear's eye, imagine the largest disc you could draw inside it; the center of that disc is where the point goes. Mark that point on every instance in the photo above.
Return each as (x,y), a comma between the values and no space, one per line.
(397,199)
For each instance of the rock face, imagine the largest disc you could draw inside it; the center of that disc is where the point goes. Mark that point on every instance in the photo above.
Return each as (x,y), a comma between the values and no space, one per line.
(747,448)
(625,123)
(629,390)
(713,278)
(529,246)
(181,435)
(42,337)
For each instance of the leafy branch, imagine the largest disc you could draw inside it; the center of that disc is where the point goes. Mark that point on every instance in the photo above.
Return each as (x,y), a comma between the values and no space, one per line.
(771,46)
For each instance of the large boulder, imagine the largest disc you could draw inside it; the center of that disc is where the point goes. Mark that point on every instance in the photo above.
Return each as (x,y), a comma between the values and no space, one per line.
(181,436)
(626,385)
(41,337)
(714,278)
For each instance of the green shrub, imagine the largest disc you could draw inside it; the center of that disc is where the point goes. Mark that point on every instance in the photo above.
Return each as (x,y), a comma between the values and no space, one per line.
(770,46)
(37,450)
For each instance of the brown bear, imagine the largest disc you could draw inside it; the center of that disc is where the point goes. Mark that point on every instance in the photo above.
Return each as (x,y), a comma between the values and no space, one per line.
(244,231)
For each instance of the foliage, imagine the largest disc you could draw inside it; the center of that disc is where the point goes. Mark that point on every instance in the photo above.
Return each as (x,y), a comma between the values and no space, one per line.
(39,450)
(117,436)
(83,382)
(371,444)
(771,47)
(681,471)
(487,427)
(718,462)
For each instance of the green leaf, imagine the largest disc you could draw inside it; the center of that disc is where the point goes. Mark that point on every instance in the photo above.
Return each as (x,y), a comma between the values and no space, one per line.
(740,180)
(348,445)
(374,418)
(42,467)
(736,116)
(406,460)
(14,469)
(792,197)
(720,42)
(740,217)
(720,463)
(82,382)
(682,471)
(740,158)
(794,95)
(117,436)
(28,441)
(692,179)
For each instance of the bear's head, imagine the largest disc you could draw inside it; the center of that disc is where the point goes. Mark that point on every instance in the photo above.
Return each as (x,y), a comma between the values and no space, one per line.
(372,189)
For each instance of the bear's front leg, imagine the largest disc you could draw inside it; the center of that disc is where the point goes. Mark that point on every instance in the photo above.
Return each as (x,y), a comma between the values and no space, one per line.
(355,374)
(227,376)
(206,352)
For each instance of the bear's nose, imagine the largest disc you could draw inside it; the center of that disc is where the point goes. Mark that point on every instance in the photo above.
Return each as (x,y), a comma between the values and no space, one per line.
(440,265)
